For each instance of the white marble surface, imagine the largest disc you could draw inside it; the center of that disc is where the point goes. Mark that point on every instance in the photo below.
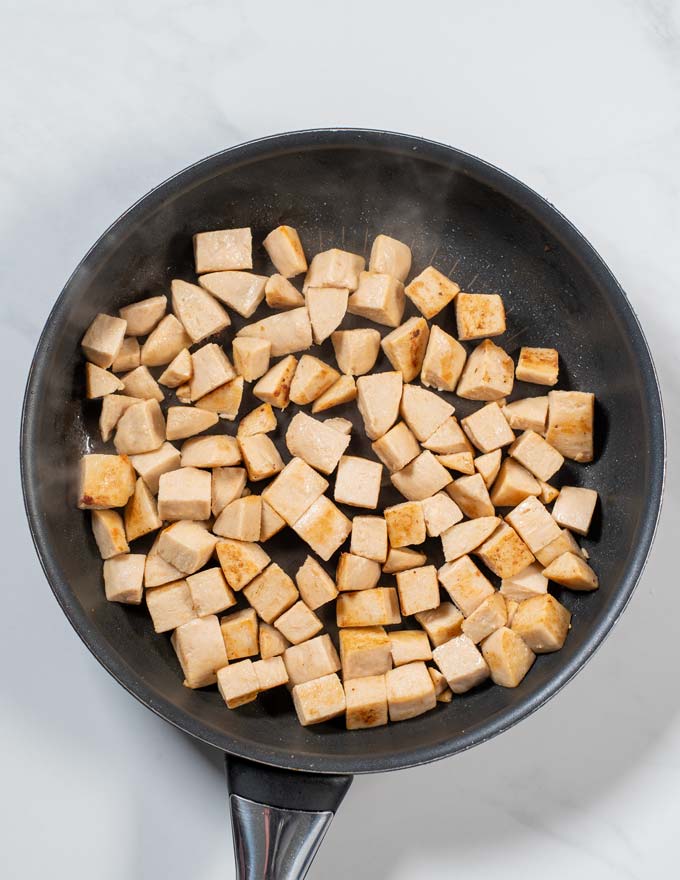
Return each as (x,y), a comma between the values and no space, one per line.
(102,101)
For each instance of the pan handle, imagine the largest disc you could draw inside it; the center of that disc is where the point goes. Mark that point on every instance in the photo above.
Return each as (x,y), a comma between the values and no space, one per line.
(279,817)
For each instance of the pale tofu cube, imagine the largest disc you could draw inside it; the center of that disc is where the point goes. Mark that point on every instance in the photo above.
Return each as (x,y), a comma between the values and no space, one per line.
(211,369)
(113,407)
(356,351)
(465,537)
(378,399)
(402,558)
(128,357)
(472,496)
(461,462)
(431,291)
(327,306)
(334,268)
(357,572)
(448,439)
(279,293)
(312,377)
(200,650)
(240,634)
(488,373)
(421,478)
(513,484)
(99,383)
(223,249)
(324,527)
(141,317)
(184,493)
(440,513)
(443,362)
(489,465)
(319,700)
(504,552)
(542,623)
(390,257)
(405,347)
(364,651)
(397,447)
(548,493)
(274,386)
(342,391)
(357,482)
(409,646)
(105,481)
(186,421)
(309,439)
(377,607)
(572,571)
(316,586)
(533,524)
(461,664)
(240,519)
(140,383)
(260,456)
(486,618)
(200,314)
(442,691)
(215,450)
(465,584)
(103,339)
(238,683)
(270,673)
(298,624)
(157,571)
(123,576)
(227,485)
(423,411)
(366,700)
(479,315)
(152,465)
(210,593)
(241,291)
(109,534)
(536,455)
(488,428)
(312,659)
(527,583)
(270,523)
(186,545)
(442,623)
(225,400)
(141,512)
(272,643)
(288,332)
(564,543)
(410,691)
(261,420)
(285,251)
(405,524)
(240,561)
(574,508)
(294,490)
(508,656)
(379,298)
(178,371)
(164,343)
(170,606)
(570,423)
(369,537)
(141,428)
(251,357)
(529,414)
(271,593)
(539,365)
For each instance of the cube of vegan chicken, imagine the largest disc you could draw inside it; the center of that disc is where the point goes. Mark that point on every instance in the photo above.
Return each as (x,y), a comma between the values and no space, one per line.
(570,423)
(285,251)
(261,420)
(357,572)
(123,576)
(513,484)
(200,650)
(271,642)
(410,691)
(294,490)
(488,373)
(533,523)
(200,314)
(511,607)
(421,478)
(312,377)
(109,533)
(113,407)
(572,571)
(129,356)
(442,691)
(186,421)
(431,291)
(240,634)
(441,623)
(170,606)
(525,584)
(378,399)
(405,347)
(542,623)
(440,513)
(342,391)
(403,558)
(356,351)
(260,456)
(281,294)
(270,673)
(479,315)
(472,496)
(225,400)
(140,429)
(312,659)
(309,439)
(186,545)
(274,386)
(270,523)
(211,369)
(539,365)
(151,465)
(366,700)
(140,383)
(574,508)
(141,512)
(378,607)
(423,411)
(357,482)
(508,656)
(99,383)
(156,570)
(223,249)
(105,481)
(465,537)
(319,700)
(486,618)
(271,593)
(164,343)
(364,651)
(418,589)
(178,371)
(103,340)
(461,664)
(240,561)
(241,291)
(184,494)
(564,543)
(461,462)
(504,552)
(215,450)
(210,593)
(327,307)
(536,455)
(141,317)
(316,586)
(334,268)
(488,428)
(369,537)
(397,447)
(240,519)
(548,493)
(390,257)
(227,485)
(379,298)
(288,332)
(488,465)
(529,414)
(443,362)
(238,684)
(405,524)
(324,527)
(298,624)
(465,583)
(251,357)
(448,439)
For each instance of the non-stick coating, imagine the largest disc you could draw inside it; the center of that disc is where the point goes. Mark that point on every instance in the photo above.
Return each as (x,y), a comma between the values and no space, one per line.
(339,189)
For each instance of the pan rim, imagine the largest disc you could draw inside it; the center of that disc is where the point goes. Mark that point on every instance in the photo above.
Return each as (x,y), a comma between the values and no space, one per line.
(548,216)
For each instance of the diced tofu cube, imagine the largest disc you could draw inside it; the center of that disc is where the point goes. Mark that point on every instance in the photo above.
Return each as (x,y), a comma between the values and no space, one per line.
(379,298)
(261,420)
(99,383)
(294,490)
(423,411)
(443,362)
(542,623)
(533,524)
(548,493)
(241,291)
(141,512)
(140,383)
(448,439)
(103,340)
(141,317)
(288,332)
(486,618)
(461,462)
(184,493)
(410,691)
(572,571)
(240,634)
(461,664)
(465,537)
(525,584)
(405,347)
(357,482)
(324,527)
(378,607)
(240,519)
(170,606)
(440,513)
(539,365)
(356,351)
(479,315)
(574,508)
(312,659)
(123,576)
(564,543)
(274,386)
(186,545)
(225,400)
(364,651)
(508,656)
(472,496)
(570,423)
(272,642)
(200,650)
(327,307)
(164,343)
(408,646)
(488,428)
(200,314)
(431,291)
(270,523)
(309,439)
(397,447)
(238,683)
(390,257)
(334,268)
(312,377)
(442,623)
(271,593)
(513,484)
(281,294)
(319,700)
(105,481)
(215,450)
(285,251)
(488,373)
(223,249)
(357,572)
(113,407)
(316,586)
(504,552)
(186,421)
(342,391)
(251,357)
(260,457)
(536,455)
(403,558)
(109,533)
(378,399)
(128,357)
(366,700)
(240,561)
(298,624)
(529,414)
(488,465)
(211,369)
(270,673)
(227,485)
(369,537)
(418,589)
(210,593)
(157,571)
(465,583)
(178,371)
(421,478)
(405,524)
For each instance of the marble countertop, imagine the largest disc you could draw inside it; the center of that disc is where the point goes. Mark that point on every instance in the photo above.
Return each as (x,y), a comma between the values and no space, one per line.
(102,101)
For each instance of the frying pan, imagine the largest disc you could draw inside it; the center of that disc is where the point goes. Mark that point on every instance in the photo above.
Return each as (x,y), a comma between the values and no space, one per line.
(489,232)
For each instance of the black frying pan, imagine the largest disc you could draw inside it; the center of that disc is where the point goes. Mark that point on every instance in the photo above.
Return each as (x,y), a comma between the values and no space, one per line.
(340,188)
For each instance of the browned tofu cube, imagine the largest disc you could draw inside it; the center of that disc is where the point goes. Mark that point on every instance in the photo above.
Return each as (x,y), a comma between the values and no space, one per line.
(223,249)
(574,508)
(525,584)
(508,656)
(324,527)
(548,493)
(364,651)
(141,512)
(418,589)
(240,634)
(408,646)
(422,478)
(210,593)
(378,399)
(461,664)
(342,391)
(294,490)
(105,481)
(442,623)
(261,420)
(170,605)
(443,362)
(109,534)
(405,524)
(123,576)
(103,340)
(312,377)
(379,298)
(570,423)
(543,623)
(486,618)
(410,691)
(397,447)
(529,414)
(488,374)
(312,659)
(272,642)
(440,513)
(357,482)
(377,607)
(270,673)
(184,493)
(240,561)
(141,317)
(356,351)
(572,571)
(488,428)
(319,700)
(533,524)
(281,294)
(461,462)
(271,593)
(200,650)
(405,347)
(402,558)
(536,455)
(539,365)
(316,586)
(465,583)
(298,624)
(238,683)
(423,410)
(369,537)
(390,256)
(465,537)
(366,700)
(472,496)
(186,545)
(431,291)
(285,251)
(513,484)
(357,572)
(479,315)
(504,552)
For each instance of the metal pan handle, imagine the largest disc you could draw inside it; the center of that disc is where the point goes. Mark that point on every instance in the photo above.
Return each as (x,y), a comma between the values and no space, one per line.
(279,817)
